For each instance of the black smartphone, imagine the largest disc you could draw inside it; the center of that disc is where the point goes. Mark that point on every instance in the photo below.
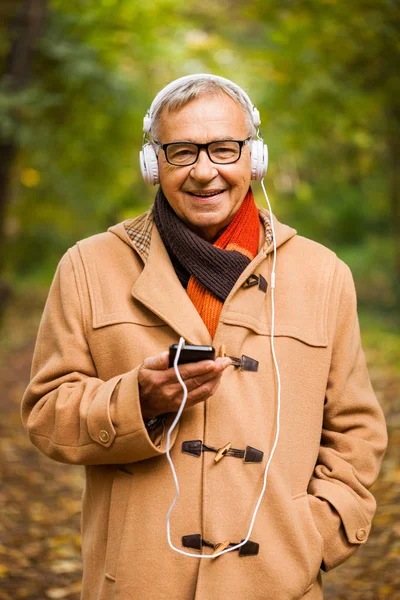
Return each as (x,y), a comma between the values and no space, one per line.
(190,353)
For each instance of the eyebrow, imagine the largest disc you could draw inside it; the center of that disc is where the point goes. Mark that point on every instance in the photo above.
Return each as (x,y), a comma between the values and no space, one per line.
(218,139)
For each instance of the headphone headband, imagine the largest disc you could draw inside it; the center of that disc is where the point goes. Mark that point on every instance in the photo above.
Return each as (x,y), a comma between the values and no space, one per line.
(170,87)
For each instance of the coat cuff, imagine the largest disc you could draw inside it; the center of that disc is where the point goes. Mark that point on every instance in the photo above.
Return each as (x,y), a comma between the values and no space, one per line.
(339,519)
(115,422)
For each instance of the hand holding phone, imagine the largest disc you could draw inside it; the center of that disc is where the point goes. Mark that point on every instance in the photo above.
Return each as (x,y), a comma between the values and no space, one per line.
(159,390)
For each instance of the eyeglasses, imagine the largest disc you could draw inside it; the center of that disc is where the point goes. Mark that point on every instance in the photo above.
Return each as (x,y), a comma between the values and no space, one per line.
(221,152)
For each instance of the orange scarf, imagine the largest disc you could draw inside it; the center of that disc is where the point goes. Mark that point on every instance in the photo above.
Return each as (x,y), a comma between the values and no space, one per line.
(241,235)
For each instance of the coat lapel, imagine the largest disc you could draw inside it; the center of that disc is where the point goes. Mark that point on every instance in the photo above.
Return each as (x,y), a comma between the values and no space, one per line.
(160,290)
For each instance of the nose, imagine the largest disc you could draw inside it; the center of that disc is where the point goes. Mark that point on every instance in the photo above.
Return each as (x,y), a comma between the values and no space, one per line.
(203,169)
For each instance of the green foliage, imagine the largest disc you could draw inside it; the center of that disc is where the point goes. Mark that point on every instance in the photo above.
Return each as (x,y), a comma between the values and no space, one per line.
(324,75)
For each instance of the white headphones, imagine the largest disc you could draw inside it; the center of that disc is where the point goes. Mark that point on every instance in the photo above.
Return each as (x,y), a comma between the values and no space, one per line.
(148,156)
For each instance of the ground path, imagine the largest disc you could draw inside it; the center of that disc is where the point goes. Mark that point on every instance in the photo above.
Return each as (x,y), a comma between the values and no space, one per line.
(40,499)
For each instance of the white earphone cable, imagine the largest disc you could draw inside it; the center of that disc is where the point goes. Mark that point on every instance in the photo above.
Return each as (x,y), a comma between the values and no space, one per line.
(278,413)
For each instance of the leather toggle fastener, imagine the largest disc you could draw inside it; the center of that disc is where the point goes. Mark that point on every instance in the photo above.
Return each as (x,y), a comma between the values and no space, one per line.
(256,280)
(249,454)
(245,363)
(196,542)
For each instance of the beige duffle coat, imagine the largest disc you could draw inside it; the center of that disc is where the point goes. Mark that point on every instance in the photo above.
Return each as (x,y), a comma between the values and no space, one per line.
(110,306)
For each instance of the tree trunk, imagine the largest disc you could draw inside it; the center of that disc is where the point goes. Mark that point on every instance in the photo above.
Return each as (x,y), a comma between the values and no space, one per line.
(27,22)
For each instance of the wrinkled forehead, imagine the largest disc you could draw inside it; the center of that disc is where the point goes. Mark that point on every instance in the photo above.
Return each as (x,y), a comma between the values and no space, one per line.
(208,117)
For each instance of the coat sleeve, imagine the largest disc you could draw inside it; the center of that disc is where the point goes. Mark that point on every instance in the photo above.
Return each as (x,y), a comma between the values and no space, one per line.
(69,413)
(353,441)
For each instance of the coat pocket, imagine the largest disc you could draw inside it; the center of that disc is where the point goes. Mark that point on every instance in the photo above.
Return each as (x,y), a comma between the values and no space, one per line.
(120,495)
(312,543)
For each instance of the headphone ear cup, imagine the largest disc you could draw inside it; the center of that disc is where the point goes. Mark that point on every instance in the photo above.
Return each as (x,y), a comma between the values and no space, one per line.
(259,159)
(149,164)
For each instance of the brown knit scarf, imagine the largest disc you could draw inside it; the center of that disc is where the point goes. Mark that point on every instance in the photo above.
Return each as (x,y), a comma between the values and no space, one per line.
(209,271)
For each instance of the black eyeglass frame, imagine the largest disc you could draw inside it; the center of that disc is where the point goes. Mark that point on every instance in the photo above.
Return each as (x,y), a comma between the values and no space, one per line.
(200,147)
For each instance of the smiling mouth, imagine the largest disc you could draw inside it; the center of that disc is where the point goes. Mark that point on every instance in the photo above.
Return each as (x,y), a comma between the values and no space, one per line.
(205,194)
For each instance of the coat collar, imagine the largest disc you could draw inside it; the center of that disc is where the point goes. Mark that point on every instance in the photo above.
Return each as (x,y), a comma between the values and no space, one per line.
(137,232)
(158,287)
(160,290)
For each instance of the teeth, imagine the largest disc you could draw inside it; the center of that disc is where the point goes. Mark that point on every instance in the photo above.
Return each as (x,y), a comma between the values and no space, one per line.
(204,195)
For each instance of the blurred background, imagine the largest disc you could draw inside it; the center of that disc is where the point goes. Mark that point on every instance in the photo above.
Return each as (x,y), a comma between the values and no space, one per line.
(76,78)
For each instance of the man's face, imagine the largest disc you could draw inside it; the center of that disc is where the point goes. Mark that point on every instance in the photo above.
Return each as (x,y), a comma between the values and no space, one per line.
(205,119)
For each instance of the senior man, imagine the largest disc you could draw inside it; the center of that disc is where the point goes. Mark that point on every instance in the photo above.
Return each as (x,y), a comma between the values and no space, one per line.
(288,394)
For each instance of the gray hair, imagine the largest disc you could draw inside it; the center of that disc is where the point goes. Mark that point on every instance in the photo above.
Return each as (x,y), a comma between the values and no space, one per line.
(188,90)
